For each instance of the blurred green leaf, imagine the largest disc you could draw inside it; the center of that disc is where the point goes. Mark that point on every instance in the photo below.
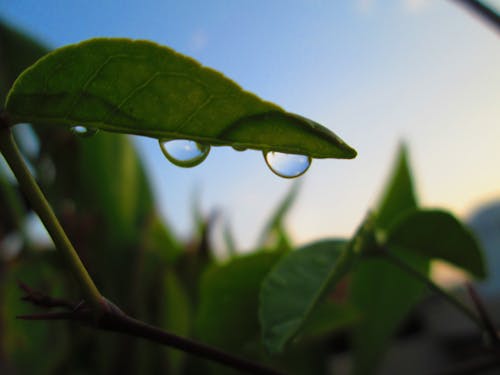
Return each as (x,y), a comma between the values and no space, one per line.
(295,286)
(227,315)
(438,234)
(399,195)
(159,239)
(139,87)
(274,234)
(176,318)
(327,318)
(229,239)
(383,293)
(114,183)
(17,52)
(13,207)
(44,343)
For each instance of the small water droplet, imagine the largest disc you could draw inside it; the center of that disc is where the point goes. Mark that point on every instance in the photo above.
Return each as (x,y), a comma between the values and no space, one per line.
(83,131)
(183,152)
(238,147)
(287,165)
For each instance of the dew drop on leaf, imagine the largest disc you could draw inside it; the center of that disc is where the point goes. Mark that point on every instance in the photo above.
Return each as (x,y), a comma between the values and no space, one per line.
(83,131)
(184,153)
(238,147)
(287,165)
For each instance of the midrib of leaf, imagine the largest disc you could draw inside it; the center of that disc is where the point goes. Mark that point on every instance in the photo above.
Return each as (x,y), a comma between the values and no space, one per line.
(300,321)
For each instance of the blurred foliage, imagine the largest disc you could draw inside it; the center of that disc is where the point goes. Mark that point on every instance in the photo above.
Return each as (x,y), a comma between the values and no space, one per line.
(102,195)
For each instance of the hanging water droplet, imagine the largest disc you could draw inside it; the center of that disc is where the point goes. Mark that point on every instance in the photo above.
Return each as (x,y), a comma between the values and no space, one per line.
(238,147)
(83,131)
(183,152)
(287,165)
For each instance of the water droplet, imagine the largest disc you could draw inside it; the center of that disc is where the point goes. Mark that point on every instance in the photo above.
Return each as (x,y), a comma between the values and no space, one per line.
(183,152)
(83,131)
(238,147)
(287,165)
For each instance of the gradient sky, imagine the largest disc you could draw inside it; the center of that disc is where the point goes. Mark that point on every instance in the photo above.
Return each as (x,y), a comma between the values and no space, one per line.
(374,72)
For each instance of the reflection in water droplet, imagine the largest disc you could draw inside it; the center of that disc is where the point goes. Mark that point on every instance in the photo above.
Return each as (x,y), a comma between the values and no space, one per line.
(287,165)
(183,152)
(83,131)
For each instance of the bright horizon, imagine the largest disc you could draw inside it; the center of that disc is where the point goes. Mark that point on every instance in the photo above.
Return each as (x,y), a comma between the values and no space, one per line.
(422,71)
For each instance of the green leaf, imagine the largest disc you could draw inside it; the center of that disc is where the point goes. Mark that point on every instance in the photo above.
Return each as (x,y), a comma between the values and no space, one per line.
(383,293)
(295,286)
(399,195)
(327,318)
(438,234)
(139,87)
(227,315)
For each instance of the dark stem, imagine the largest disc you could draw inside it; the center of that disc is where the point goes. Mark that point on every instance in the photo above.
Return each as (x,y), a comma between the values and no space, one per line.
(481,309)
(136,328)
(482,11)
(473,366)
(115,320)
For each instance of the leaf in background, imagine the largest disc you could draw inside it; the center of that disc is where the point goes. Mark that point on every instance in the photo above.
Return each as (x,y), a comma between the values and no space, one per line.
(274,235)
(44,344)
(227,315)
(399,195)
(139,87)
(229,240)
(17,52)
(158,238)
(13,207)
(113,182)
(295,286)
(381,291)
(176,318)
(327,318)
(438,234)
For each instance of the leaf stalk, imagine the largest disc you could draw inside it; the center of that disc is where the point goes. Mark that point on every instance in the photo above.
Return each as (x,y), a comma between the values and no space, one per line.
(395,260)
(42,207)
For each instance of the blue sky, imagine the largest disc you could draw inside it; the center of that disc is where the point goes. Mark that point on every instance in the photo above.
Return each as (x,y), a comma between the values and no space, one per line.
(375,72)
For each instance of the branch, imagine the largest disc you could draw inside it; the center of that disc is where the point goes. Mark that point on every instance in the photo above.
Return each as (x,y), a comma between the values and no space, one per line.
(485,317)
(482,11)
(474,366)
(115,320)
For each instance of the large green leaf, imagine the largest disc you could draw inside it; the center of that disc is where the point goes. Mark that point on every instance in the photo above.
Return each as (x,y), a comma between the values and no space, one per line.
(295,286)
(383,293)
(142,88)
(438,234)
